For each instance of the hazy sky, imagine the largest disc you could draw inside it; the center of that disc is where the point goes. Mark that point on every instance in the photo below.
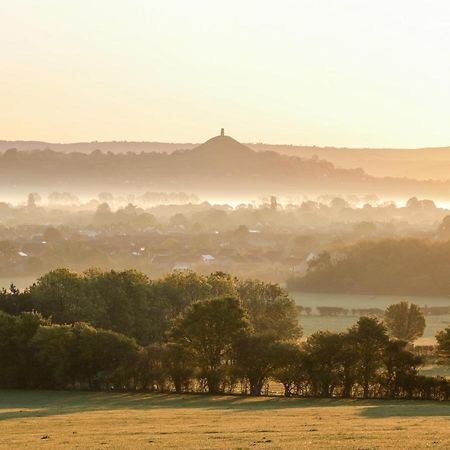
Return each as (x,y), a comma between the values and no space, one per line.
(324,72)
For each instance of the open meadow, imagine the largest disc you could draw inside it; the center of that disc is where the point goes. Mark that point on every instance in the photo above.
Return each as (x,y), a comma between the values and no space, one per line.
(87,420)
(315,322)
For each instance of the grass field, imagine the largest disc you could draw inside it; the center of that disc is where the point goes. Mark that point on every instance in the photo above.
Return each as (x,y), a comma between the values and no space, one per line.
(63,420)
(315,322)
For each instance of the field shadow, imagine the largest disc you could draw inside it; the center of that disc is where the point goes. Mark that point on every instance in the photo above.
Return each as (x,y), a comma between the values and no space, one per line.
(16,404)
(22,403)
(406,408)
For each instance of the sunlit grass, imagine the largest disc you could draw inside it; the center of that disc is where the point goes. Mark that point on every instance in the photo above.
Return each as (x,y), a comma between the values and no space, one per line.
(49,419)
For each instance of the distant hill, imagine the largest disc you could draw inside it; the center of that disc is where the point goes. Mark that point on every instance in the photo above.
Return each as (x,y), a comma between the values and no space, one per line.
(88,147)
(221,167)
(421,164)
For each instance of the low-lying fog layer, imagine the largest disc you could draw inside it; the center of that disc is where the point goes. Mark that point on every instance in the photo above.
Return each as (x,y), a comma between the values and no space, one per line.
(156,232)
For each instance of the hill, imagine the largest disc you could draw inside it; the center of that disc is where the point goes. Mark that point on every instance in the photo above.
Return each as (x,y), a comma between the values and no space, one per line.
(420,163)
(88,147)
(219,168)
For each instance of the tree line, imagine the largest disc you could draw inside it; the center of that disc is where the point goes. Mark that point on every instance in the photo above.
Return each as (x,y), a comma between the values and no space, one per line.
(191,333)
(388,266)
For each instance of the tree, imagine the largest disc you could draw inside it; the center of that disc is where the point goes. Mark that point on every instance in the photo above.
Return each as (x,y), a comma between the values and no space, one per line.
(288,365)
(16,333)
(444,228)
(407,266)
(81,356)
(52,235)
(405,321)
(59,294)
(210,329)
(120,301)
(222,284)
(178,366)
(179,221)
(179,289)
(103,216)
(33,199)
(413,203)
(270,309)
(400,366)
(53,362)
(150,368)
(13,301)
(127,304)
(443,344)
(255,360)
(365,229)
(347,357)
(370,338)
(321,363)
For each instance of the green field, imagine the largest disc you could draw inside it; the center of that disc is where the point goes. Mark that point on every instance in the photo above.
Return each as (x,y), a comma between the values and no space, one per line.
(63,420)
(21,282)
(315,322)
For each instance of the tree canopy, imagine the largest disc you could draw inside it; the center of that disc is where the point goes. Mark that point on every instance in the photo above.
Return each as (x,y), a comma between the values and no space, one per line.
(389,266)
(405,321)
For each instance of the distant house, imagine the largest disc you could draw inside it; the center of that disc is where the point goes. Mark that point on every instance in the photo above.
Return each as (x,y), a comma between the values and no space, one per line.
(22,253)
(207,259)
(183,266)
(310,257)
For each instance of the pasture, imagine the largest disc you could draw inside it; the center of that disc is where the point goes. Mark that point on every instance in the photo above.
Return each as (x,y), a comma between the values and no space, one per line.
(87,420)
(313,323)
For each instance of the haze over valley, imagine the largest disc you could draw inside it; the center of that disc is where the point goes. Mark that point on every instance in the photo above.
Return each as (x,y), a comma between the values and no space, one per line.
(414,163)
(225,226)
(221,169)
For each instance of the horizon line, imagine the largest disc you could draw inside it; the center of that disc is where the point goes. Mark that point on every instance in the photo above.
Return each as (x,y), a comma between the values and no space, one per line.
(87,142)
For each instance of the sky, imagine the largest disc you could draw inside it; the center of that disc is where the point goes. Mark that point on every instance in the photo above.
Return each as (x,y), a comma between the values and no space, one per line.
(354,73)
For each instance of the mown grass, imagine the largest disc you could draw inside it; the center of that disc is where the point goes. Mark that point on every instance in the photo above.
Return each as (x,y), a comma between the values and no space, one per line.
(62,420)
(435,370)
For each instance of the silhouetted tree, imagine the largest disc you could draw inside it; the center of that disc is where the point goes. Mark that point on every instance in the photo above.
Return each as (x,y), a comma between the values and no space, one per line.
(210,329)
(255,360)
(370,338)
(405,321)
(443,344)
(270,309)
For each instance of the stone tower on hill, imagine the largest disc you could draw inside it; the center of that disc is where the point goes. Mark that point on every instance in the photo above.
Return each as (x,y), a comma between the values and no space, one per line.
(222,131)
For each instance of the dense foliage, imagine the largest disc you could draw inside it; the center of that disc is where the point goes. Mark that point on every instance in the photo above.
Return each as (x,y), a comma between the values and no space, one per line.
(129,302)
(405,321)
(191,333)
(390,266)
(37,354)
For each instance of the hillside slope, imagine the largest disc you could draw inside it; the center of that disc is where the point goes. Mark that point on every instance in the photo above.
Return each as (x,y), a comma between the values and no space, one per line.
(421,164)
(219,167)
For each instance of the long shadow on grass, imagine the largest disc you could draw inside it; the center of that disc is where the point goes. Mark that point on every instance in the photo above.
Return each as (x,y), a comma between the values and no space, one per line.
(26,404)
(20,403)
(405,408)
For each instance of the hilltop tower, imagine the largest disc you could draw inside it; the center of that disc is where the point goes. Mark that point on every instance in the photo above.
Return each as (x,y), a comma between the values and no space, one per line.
(222,131)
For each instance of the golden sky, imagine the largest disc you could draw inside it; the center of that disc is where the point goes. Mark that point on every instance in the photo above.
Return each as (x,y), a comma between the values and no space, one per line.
(325,72)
